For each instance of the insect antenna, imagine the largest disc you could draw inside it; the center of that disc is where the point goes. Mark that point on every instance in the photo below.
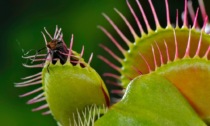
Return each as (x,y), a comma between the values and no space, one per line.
(37,53)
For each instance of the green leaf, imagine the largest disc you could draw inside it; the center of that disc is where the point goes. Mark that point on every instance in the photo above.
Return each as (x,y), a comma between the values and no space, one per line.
(151,100)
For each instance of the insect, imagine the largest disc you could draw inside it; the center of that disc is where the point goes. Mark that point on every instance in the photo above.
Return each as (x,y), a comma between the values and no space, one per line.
(56,47)
(57,50)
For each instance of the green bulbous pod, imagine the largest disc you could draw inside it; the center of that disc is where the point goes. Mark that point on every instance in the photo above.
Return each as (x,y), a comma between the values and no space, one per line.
(73,91)
(70,89)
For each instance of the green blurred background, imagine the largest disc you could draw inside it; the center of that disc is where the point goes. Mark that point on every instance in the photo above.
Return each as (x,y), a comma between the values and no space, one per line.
(21,26)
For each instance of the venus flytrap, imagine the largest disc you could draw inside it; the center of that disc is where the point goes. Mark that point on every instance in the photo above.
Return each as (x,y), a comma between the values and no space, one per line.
(71,88)
(164,74)
(179,54)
